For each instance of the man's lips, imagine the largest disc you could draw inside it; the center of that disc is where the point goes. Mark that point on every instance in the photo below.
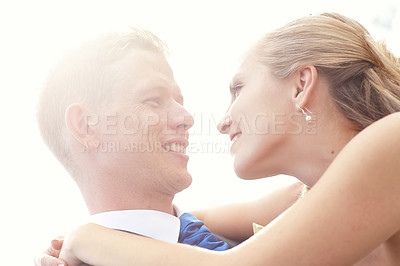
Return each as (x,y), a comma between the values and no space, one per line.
(176,145)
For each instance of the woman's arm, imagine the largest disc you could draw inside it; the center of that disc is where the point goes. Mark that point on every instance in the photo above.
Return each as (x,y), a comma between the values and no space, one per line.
(349,212)
(97,245)
(88,241)
(235,220)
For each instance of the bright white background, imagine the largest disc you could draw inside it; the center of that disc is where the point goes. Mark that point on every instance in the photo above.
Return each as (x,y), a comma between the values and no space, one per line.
(38,199)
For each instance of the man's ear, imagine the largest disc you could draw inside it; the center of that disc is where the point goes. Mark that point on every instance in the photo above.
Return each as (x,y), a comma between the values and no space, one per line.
(305,81)
(76,118)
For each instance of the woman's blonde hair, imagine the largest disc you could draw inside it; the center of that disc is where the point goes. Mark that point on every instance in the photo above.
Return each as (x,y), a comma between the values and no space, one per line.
(364,76)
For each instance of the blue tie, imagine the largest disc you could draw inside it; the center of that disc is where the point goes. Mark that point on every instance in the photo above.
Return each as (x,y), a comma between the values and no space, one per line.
(194,232)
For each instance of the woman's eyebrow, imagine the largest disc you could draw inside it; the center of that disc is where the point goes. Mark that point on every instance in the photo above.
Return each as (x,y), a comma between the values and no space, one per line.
(236,80)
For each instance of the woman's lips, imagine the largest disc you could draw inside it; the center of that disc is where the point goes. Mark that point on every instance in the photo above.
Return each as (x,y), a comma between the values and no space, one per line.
(235,136)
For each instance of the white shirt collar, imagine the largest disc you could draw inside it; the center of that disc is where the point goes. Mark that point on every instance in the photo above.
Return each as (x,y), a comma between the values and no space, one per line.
(153,224)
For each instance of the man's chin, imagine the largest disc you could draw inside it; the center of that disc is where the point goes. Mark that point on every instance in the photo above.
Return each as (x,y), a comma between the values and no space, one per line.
(186,182)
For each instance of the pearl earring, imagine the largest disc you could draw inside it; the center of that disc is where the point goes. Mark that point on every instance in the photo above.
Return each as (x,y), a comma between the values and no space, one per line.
(308,116)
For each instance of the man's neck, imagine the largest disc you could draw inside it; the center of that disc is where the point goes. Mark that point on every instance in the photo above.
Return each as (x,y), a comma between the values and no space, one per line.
(104,200)
(117,205)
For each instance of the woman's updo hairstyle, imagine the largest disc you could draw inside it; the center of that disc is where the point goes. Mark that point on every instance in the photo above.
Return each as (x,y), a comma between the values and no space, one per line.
(364,76)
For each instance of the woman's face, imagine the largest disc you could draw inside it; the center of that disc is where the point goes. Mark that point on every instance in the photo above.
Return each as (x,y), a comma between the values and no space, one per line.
(259,120)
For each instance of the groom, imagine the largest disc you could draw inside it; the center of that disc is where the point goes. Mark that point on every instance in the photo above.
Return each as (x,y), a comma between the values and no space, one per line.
(113,115)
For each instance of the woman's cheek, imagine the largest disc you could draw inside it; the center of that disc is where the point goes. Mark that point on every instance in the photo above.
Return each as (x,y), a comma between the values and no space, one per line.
(260,124)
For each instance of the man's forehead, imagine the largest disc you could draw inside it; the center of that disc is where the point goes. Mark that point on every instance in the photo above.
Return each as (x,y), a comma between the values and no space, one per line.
(138,57)
(159,85)
(146,70)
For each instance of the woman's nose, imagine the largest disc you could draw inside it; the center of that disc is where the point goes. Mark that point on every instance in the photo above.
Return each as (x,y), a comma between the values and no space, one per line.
(224,124)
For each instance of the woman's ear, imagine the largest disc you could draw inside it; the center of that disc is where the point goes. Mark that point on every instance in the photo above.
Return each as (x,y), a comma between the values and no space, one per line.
(76,118)
(305,81)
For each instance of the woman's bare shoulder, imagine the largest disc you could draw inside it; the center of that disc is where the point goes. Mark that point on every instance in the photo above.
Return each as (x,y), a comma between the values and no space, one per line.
(364,181)
(370,161)
(388,122)
(381,138)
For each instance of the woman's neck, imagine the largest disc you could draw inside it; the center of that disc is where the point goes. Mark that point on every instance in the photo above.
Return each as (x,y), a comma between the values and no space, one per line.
(322,149)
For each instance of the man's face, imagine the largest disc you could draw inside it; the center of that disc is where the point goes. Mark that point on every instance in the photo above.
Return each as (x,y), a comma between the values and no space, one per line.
(145,127)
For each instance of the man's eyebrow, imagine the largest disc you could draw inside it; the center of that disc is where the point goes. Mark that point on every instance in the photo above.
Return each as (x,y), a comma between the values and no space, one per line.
(161,89)
(147,90)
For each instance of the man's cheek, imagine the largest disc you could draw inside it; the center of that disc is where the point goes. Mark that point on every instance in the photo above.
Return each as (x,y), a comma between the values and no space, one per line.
(130,124)
(151,124)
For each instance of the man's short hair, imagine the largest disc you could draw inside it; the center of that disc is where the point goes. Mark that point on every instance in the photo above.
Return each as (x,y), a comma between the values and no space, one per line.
(86,76)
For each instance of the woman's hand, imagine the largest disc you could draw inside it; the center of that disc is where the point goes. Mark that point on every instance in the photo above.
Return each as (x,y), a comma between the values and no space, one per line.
(85,245)
(50,257)
(72,242)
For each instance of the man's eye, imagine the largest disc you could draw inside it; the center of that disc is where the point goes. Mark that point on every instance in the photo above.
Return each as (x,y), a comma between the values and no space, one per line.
(154,101)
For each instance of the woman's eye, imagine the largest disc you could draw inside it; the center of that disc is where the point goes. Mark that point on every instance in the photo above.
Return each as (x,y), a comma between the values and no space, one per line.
(236,91)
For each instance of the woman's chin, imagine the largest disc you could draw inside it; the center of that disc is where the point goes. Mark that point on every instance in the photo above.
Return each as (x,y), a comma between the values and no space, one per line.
(246,172)
(250,171)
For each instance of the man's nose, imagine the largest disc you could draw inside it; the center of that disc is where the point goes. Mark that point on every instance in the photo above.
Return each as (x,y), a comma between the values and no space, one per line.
(225,123)
(181,119)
